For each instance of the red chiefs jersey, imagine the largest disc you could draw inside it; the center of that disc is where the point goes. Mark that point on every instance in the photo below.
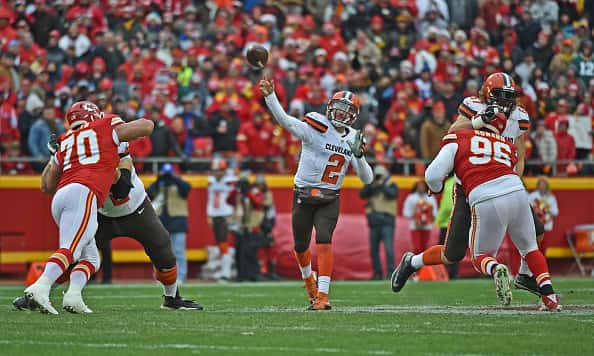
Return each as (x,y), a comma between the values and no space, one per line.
(89,156)
(481,157)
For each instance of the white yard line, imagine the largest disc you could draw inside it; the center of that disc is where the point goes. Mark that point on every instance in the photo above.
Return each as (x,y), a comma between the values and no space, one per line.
(229,348)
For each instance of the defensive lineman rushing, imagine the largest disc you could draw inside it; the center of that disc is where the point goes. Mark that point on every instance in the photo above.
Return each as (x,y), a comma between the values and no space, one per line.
(127,211)
(81,174)
(484,161)
(329,145)
(497,94)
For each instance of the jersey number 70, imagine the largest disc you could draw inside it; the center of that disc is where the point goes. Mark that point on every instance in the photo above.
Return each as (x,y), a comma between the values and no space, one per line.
(484,150)
(87,148)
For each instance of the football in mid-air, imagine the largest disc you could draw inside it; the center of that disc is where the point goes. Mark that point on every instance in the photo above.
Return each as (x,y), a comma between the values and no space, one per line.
(257,56)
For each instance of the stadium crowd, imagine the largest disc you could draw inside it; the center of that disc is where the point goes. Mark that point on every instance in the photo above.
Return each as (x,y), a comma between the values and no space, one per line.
(181,64)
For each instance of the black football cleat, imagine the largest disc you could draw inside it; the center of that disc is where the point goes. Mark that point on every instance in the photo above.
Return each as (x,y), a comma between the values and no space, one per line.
(527,283)
(22,303)
(178,303)
(402,272)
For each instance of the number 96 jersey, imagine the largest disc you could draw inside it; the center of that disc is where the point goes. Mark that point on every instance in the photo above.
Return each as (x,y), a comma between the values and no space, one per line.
(484,162)
(89,156)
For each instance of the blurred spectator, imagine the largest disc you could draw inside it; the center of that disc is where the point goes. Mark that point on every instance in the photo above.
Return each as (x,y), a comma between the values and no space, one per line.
(584,62)
(580,127)
(565,145)
(267,253)
(254,141)
(218,211)
(544,203)
(27,118)
(248,204)
(433,130)
(12,149)
(40,133)
(546,146)
(169,196)
(381,209)
(162,139)
(527,29)
(224,126)
(562,111)
(421,209)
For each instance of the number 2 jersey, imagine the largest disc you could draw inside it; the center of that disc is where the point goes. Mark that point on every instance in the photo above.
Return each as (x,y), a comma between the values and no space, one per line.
(89,156)
(325,154)
(483,161)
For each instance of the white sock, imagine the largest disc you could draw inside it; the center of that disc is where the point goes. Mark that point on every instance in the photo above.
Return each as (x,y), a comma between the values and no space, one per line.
(52,272)
(417,261)
(170,289)
(78,280)
(45,282)
(226,263)
(306,271)
(323,283)
(524,269)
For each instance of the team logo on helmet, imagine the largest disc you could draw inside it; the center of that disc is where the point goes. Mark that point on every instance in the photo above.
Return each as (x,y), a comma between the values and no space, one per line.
(343,109)
(82,112)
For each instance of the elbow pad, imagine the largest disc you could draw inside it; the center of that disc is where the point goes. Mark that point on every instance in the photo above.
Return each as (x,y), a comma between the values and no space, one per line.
(122,187)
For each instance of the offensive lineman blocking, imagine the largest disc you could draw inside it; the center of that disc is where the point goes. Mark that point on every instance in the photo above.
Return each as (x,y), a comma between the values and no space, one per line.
(329,145)
(81,174)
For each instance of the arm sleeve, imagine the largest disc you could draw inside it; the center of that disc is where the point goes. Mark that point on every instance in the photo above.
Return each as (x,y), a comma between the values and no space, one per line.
(297,127)
(363,169)
(441,166)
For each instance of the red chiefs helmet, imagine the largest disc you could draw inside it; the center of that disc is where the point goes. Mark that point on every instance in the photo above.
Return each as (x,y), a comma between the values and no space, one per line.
(82,112)
(499,88)
(343,108)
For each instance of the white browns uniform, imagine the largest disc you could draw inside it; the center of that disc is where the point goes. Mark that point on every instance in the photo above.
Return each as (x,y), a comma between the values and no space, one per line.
(518,121)
(218,191)
(114,208)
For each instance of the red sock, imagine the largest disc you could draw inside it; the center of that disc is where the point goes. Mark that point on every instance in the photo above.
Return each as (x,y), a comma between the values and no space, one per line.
(484,264)
(538,265)
(62,257)
(223,247)
(432,255)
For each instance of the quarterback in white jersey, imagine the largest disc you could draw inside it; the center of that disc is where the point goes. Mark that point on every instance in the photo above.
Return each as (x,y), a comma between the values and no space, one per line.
(329,146)
(218,211)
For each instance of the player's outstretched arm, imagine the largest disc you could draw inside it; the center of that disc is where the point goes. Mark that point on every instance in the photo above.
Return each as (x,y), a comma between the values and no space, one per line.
(363,169)
(441,166)
(134,129)
(297,127)
(50,177)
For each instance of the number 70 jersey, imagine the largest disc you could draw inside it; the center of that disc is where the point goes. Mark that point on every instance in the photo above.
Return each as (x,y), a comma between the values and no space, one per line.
(89,156)
(481,157)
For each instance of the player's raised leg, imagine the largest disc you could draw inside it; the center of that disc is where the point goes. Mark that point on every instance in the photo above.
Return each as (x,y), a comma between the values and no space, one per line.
(76,227)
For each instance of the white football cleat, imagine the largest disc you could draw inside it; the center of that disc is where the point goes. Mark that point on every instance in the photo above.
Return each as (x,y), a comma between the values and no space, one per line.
(503,284)
(39,295)
(73,303)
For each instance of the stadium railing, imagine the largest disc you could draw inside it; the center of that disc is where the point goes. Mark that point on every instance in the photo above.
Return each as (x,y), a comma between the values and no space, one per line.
(402,166)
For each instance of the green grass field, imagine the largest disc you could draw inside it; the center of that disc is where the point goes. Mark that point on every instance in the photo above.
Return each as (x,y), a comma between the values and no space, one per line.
(460,317)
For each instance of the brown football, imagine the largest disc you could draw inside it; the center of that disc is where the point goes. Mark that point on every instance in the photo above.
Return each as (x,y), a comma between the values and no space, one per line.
(257,56)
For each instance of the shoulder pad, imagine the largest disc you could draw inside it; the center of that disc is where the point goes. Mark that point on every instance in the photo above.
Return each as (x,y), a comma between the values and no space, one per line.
(449,138)
(316,120)
(520,115)
(470,106)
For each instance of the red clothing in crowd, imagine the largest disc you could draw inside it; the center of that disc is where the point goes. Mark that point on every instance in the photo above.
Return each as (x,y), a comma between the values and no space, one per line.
(255,141)
(552,118)
(78,11)
(565,149)
(141,147)
(8,117)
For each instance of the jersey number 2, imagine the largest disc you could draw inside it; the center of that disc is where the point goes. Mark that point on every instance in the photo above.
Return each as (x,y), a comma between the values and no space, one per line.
(484,151)
(332,171)
(87,148)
